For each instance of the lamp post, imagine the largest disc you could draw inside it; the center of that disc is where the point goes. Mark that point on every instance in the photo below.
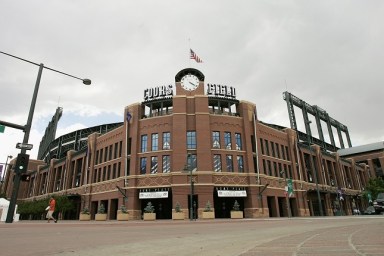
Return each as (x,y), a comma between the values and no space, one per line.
(188,169)
(2,175)
(27,129)
(315,174)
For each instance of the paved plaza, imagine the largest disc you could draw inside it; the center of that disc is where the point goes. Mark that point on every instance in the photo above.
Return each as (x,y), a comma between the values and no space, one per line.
(328,236)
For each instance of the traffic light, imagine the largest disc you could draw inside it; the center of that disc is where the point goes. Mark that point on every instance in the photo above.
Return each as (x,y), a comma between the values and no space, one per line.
(21,165)
(25,177)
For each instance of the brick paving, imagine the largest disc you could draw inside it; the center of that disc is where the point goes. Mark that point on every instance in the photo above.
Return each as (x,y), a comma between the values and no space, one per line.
(341,236)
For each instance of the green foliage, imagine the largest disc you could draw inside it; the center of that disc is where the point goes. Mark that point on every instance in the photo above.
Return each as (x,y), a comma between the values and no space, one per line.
(374,186)
(36,208)
(101,209)
(123,209)
(236,206)
(177,207)
(85,210)
(149,208)
(208,207)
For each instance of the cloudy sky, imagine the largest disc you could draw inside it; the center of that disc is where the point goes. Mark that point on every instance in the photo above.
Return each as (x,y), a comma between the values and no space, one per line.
(328,53)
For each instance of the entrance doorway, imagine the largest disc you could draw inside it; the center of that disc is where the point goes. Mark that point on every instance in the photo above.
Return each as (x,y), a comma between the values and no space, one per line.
(224,205)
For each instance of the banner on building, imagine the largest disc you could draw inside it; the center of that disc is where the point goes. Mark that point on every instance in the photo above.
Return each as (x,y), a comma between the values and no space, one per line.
(231,193)
(151,195)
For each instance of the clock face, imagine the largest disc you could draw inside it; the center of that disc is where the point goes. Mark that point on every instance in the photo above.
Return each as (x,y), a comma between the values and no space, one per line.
(189,82)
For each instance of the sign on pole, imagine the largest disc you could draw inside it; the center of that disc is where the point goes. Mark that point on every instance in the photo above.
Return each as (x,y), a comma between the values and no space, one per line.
(290,187)
(2,128)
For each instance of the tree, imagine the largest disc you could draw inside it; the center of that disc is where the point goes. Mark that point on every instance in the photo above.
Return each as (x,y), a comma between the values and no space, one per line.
(374,186)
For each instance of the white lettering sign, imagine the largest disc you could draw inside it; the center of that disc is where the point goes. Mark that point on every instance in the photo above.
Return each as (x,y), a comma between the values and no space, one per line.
(158,92)
(232,193)
(221,90)
(149,195)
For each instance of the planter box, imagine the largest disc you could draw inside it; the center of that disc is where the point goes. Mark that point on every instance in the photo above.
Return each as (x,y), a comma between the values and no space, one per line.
(122,216)
(85,217)
(178,216)
(149,216)
(208,215)
(237,214)
(100,216)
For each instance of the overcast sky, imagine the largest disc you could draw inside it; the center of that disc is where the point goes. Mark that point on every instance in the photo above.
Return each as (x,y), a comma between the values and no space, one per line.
(328,53)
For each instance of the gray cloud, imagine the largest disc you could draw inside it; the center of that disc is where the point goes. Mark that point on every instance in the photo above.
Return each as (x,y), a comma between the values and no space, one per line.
(328,53)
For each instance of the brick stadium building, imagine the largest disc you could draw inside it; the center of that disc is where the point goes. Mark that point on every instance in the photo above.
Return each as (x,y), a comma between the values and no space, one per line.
(193,130)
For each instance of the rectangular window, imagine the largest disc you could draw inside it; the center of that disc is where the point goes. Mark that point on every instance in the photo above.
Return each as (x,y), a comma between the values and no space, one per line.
(273,149)
(217,163)
(166,164)
(266,147)
(155,141)
(106,154)
(143,165)
(166,140)
(269,168)
(262,146)
(275,173)
(154,164)
(229,163)
(121,148)
(115,150)
(101,156)
(240,164)
(277,150)
(191,140)
(227,140)
(239,146)
(144,143)
(97,157)
(283,152)
(192,162)
(286,151)
(215,139)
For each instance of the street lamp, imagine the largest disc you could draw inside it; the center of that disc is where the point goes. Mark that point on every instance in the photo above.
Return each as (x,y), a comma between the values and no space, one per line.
(187,168)
(314,173)
(27,130)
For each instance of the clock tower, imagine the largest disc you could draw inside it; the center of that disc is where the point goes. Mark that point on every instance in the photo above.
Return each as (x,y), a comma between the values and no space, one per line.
(189,82)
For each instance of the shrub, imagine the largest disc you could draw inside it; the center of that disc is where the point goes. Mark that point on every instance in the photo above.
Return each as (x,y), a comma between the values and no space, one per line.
(208,207)
(236,206)
(123,209)
(149,208)
(177,207)
(101,209)
(85,210)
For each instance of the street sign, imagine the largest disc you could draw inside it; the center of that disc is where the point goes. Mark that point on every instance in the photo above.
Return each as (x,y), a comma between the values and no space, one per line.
(24,146)
(2,128)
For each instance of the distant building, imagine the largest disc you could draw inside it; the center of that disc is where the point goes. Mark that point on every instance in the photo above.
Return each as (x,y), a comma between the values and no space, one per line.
(199,131)
(370,154)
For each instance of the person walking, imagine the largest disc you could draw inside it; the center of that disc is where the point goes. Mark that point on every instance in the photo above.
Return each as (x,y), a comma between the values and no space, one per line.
(52,205)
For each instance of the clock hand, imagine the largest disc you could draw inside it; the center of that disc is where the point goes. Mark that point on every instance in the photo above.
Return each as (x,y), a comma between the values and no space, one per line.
(191,83)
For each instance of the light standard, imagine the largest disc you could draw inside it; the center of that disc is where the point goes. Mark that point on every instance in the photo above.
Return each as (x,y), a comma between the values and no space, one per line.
(2,175)
(187,168)
(27,129)
(314,174)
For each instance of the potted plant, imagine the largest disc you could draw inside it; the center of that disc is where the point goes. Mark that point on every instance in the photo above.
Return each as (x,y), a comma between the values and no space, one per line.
(101,215)
(84,214)
(122,213)
(149,212)
(178,214)
(208,212)
(236,213)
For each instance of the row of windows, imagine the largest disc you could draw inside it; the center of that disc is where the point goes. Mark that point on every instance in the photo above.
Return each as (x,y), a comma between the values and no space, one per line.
(107,172)
(191,164)
(275,169)
(191,141)
(273,149)
(109,153)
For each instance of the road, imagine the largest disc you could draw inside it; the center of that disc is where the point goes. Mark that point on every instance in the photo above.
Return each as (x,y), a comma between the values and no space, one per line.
(341,236)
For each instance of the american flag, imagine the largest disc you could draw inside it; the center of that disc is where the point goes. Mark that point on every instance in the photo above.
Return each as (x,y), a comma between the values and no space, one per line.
(195,57)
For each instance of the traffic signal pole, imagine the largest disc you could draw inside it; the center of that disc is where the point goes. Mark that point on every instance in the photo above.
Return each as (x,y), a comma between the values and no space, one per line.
(27,130)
